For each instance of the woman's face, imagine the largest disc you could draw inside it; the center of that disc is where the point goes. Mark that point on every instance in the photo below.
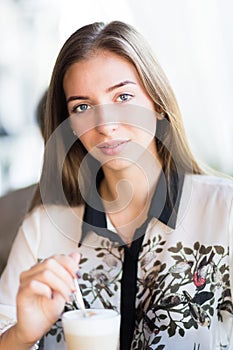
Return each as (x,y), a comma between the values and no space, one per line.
(109,109)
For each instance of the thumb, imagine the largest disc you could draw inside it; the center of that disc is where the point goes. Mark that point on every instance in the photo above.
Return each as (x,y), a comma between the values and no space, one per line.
(76,256)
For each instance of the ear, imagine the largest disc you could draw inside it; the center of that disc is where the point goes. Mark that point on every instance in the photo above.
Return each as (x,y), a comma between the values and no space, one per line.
(160,112)
(161,115)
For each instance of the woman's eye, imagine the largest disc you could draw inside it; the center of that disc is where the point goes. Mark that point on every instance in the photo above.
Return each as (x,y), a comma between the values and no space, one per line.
(80,108)
(124,97)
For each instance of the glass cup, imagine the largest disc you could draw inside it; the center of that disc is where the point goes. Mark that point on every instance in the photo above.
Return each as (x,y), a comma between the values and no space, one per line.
(99,330)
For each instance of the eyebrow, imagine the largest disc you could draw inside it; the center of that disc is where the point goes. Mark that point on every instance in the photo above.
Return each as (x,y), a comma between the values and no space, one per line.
(72,98)
(111,88)
(122,83)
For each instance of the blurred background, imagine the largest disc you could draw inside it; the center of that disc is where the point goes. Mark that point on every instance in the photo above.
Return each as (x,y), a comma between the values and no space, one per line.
(193,40)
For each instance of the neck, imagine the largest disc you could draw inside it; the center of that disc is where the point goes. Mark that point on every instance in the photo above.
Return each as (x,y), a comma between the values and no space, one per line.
(131,187)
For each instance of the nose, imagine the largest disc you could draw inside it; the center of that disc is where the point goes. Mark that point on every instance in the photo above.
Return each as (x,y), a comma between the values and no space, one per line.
(106,119)
(107,128)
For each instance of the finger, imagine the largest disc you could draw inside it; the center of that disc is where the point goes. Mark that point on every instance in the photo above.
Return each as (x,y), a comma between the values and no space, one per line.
(69,262)
(53,275)
(63,266)
(57,272)
(76,257)
(51,284)
(35,287)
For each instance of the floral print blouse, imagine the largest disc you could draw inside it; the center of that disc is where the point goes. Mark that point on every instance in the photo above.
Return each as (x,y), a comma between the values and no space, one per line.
(173,286)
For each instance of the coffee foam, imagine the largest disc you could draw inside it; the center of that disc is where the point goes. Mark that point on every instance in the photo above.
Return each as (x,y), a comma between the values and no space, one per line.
(98,322)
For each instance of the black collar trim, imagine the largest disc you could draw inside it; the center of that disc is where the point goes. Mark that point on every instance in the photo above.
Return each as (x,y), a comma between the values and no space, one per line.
(164,206)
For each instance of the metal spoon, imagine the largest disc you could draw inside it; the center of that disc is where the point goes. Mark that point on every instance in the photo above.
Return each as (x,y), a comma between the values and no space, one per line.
(78,299)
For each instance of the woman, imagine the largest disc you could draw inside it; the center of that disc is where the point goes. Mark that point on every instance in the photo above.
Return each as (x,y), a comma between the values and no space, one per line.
(120,187)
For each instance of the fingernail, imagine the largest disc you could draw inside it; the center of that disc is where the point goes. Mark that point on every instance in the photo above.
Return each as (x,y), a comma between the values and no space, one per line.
(78,274)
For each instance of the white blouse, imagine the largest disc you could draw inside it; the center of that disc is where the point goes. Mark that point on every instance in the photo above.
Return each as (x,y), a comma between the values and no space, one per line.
(184,274)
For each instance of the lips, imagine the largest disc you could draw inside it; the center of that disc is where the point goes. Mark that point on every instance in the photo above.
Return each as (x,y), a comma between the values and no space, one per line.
(112,147)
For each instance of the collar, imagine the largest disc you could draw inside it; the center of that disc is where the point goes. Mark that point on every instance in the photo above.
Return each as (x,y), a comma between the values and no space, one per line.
(164,207)
(166,199)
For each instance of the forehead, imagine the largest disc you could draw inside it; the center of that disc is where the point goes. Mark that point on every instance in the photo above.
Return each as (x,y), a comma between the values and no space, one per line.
(103,68)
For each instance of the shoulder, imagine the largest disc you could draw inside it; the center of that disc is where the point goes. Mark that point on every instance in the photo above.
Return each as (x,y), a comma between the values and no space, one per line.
(208,191)
(206,199)
(211,183)
(53,229)
(46,213)
(53,218)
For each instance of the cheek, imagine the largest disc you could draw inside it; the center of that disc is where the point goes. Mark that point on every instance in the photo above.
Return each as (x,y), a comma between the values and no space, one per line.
(145,139)
(83,123)
(87,140)
(147,130)
(144,136)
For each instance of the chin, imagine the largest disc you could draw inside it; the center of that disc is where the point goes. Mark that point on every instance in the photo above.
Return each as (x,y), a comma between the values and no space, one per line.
(118,164)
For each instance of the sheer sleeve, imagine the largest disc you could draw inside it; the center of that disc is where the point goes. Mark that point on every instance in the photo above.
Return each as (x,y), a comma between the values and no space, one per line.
(22,257)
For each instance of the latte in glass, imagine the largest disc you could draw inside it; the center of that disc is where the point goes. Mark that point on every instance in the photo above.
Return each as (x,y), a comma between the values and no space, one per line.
(99,330)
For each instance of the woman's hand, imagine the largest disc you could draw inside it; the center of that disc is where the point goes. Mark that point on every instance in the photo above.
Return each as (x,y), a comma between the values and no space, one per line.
(43,292)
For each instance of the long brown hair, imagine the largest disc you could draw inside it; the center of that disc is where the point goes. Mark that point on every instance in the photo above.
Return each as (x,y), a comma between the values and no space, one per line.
(124,40)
